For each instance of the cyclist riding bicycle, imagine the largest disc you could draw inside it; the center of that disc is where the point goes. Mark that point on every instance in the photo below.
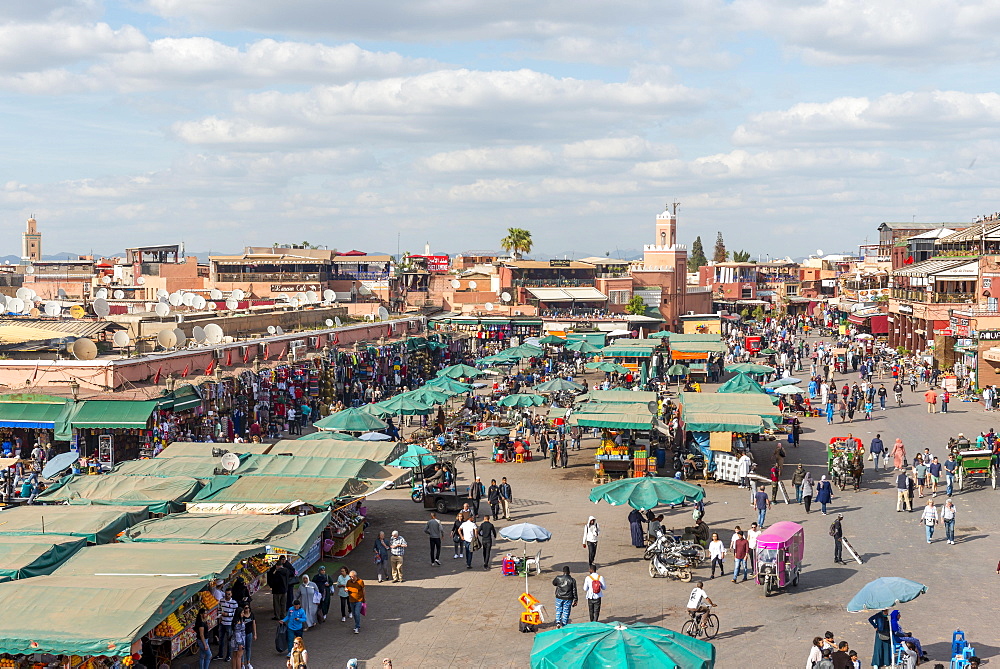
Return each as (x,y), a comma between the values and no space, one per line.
(898,389)
(699,602)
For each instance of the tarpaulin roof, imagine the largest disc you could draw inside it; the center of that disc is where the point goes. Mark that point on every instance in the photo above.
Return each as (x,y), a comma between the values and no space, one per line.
(630,348)
(159,559)
(725,422)
(747,404)
(694,336)
(199,448)
(96,524)
(113,413)
(617,396)
(620,421)
(35,555)
(377,451)
(307,467)
(326,435)
(31,410)
(279,489)
(69,615)
(741,383)
(187,465)
(160,494)
(698,346)
(295,534)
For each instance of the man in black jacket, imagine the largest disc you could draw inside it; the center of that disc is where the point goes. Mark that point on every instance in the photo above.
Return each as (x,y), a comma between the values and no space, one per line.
(476,493)
(277,580)
(493,497)
(487,533)
(837,532)
(565,596)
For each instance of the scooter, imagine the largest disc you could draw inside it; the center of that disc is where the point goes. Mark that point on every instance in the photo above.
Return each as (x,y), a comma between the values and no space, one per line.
(667,560)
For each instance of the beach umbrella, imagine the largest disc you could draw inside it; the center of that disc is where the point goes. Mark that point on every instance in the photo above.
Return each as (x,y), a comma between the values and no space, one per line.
(885,593)
(553,340)
(525,533)
(558,385)
(787,381)
(339,436)
(375,436)
(600,645)
(582,346)
(493,431)
(789,390)
(459,372)
(59,463)
(522,400)
(414,456)
(647,492)
(768,351)
(351,420)
(677,369)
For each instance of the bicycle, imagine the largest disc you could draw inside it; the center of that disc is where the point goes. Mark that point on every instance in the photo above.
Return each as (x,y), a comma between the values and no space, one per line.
(701,623)
(899,399)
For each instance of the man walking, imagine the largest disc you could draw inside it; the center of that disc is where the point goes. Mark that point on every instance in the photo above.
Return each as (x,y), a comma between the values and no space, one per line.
(487,533)
(930,397)
(837,532)
(591,534)
(433,530)
(468,531)
(761,502)
(950,466)
(566,597)
(277,580)
(593,589)
(476,493)
(506,497)
(903,492)
(876,449)
(797,477)
(227,610)
(397,546)
(752,535)
(741,550)
(493,497)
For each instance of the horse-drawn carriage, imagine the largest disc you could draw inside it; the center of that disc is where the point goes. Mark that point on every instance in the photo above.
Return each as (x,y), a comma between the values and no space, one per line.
(845,461)
(976,465)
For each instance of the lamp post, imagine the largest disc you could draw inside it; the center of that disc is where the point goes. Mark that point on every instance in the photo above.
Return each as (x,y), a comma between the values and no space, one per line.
(74,387)
(170,381)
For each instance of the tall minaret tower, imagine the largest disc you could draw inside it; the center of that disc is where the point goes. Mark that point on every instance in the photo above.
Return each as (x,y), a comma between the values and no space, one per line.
(31,241)
(665,252)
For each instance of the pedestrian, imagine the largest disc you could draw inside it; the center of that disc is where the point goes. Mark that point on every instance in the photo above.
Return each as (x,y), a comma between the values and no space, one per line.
(237,644)
(433,530)
(356,598)
(876,449)
(882,393)
(345,603)
(948,517)
(815,653)
(824,493)
(456,536)
(295,624)
(741,553)
(397,547)
(898,454)
(930,518)
(882,653)
(717,552)
(635,526)
(903,492)
(808,489)
(761,502)
(566,597)
(323,582)
(493,497)
(506,497)
(841,657)
(277,580)
(920,475)
(476,494)
(950,466)
(382,557)
(487,533)
(309,595)
(779,456)
(934,474)
(553,454)
(469,533)
(201,637)
(752,535)
(298,656)
(775,475)
(563,454)
(227,611)
(593,590)
(829,412)
(945,399)
(743,467)
(797,477)
(837,532)
(591,535)
(930,397)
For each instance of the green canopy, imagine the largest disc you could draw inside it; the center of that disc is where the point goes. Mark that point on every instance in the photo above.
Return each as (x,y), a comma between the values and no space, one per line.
(677,369)
(558,385)
(319,492)
(407,406)
(615,421)
(787,381)
(582,346)
(160,494)
(522,351)
(607,366)
(754,404)
(195,466)
(315,467)
(750,368)
(160,559)
(30,410)
(601,645)
(698,346)
(376,451)
(327,434)
(726,422)
(113,414)
(295,534)
(522,400)
(204,449)
(647,492)
(459,372)
(25,556)
(97,615)
(662,334)
(741,383)
(415,456)
(768,351)
(96,524)
(617,397)
(350,420)
(376,409)
(184,398)
(552,340)
(448,386)
(498,359)
(630,348)
(430,395)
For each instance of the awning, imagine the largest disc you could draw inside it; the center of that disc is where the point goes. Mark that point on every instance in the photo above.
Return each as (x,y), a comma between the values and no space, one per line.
(204,449)
(113,414)
(381,452)
(319,492)
(317,467)
(750,404)
(160,559)
(96,524)
(70,615)
(616,421)
(30,414)
(584,294)
(725,422)
(186,397)
(28,556)
(717,346)
(615,397)
(160,494)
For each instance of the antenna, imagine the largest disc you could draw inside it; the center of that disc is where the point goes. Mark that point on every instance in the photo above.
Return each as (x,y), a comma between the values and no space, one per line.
(239,294)
(336,320)
(215,294)
(383,313)
(140,281)
(162,309)
(180,337)
(329,322)
(505,296)
(175,299)
(271,329)
(119,294)
(166,338)
(52,309)
(488,306)
(101,308)
(472,285)
(278,331)
(198,334)
(232,304)
(199,302)
(329,295)
(455,283)
(188,299)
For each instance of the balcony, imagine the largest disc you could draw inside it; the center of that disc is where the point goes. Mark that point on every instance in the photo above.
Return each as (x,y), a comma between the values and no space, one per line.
(552,283)
(915,295)
(267,277)
(977,310)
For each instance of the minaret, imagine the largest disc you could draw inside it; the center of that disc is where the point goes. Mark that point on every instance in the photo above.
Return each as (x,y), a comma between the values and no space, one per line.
(665,252)
(31,241)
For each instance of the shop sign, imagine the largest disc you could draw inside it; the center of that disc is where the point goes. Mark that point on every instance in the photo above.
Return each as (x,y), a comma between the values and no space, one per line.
(946,332)
(905,309)
(559,262)
(991,354)
(989,335)
(294,287)
(963,342)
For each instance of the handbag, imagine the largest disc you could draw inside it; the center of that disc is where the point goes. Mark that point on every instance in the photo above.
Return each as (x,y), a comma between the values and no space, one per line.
(377,559)
(317,597)
(882,636)
(477,544)
(364,608)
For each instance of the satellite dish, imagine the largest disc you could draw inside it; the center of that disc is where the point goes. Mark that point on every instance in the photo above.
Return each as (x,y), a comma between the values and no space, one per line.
(106,280)
(120,339)
(278,331)
(199,302)
(84,349)
(329,295)
(34,312)
(230,462)
(188,299)
(239,294)
(383,313)
(119,294)
(210,306)
(213,333)
(161,292)
(102,293)
(819,252)
(175,299)
(180,336)
(215,294)
(336,321)
(232,304)
(198,334)
(271,329)
(32,295)
(455,283)
(16,305)
(166,338)
(294,302)
(329,322)
(162,310)
(472,285)
(140,281)
(28,270)
(488,306)
(28,306)
(311,297)
(22,293)
(302,298)
(52,309)
(101,307)
(76,311)
(505,296)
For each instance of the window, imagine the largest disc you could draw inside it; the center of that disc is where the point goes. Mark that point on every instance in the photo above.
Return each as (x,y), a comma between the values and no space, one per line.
(791,290)
(746,294)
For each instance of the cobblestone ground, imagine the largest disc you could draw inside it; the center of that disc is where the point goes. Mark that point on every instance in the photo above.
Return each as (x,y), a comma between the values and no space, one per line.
(449,616)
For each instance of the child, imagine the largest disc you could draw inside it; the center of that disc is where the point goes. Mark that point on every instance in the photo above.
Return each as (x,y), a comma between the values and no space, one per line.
(868,410)
(855,662)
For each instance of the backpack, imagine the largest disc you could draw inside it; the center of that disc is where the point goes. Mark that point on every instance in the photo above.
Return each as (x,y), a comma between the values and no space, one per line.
(833,530)
(595,585)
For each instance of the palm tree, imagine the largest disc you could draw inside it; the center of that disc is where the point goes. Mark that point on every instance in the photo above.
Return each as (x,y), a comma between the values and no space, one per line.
(517,241)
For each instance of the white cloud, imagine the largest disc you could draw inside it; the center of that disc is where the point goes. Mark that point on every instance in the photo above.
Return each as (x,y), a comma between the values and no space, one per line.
(33,46)
(493,159)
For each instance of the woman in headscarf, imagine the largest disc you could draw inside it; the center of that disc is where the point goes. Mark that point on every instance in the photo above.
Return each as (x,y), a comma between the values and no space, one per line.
(898,454)
(824,493)
(808,488)
(882,653)
(308,594)
(635,523)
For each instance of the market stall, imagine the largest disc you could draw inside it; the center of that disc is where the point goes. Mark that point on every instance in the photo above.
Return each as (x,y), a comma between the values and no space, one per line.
(112,430)
(382,452)
(96,524)
(159,494)
(200,448)
(25,556)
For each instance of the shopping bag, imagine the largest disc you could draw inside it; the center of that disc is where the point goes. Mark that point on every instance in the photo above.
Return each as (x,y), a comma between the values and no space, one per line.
(364,608)
(281,638)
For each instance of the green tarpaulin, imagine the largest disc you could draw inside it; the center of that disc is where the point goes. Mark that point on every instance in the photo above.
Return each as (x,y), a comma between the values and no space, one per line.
(737,403)
(694,336)
(295,534)
(186,398)
(643,348)
(160,559)
(157,493)
(741,383)
(96,524)
(698,346)
(614,396)
(318,492)
(725,422)
(616,421)
(326,435)
(70,615)
(202,449)
(198,467)
(350,420)
(376,451)
(316,467)
(31,411)
(113,413)
(27,556)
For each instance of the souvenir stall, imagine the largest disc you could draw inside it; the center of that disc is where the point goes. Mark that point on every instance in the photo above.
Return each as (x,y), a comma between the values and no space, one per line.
(30,418)
(112,431)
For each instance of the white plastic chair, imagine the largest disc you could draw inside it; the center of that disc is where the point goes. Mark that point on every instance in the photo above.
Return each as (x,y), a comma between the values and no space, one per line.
(535,561)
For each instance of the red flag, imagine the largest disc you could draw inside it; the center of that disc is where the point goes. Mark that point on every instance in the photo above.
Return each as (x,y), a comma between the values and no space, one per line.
(246,355)
(211,366)
(156,378)
(187,370)
(336,339)
(908,261)
(229,358)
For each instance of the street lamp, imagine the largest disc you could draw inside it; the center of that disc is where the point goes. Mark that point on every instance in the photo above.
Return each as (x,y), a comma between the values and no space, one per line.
(74,387)
(170,381)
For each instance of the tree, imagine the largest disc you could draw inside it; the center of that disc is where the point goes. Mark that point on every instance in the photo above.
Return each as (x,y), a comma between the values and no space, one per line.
(758,313)
(517,241)
(721,254)
(741,256)
(636,306)
(697,258)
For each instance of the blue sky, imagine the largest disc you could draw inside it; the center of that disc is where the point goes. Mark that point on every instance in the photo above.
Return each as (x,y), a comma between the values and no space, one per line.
(788,126)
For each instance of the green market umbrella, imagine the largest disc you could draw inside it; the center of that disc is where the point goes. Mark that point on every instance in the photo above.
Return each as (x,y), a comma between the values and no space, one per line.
(339,436)
(522,400)
(558,385)
(601,645)
(750,368)
(522,351)
(741,383)
(885,593)
(787,381)
(428,396)
(493,431)
(351,420)
(406,406)
(662,334)
(497,359)
(582,346)
(677,369)
(607,367)
(646,493)
(459,372)
(414,456)
(447,386)
(376,409)
(552,339)
(768,351)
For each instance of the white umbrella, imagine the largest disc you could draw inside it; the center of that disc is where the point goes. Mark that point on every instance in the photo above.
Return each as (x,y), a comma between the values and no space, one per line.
(789,390)
(375,436)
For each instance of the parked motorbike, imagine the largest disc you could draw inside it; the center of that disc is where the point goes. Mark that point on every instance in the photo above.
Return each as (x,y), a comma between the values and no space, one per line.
(667,558)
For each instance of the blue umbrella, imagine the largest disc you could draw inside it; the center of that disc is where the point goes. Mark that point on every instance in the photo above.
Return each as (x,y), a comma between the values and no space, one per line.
(525,532)
(493,431)
(885,593)
(59,463)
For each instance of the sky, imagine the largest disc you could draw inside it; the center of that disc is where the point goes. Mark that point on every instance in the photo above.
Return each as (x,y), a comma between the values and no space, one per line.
(791,126)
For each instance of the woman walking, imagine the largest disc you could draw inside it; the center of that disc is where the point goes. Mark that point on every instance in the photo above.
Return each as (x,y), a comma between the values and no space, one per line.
(808,489)
(237,641)
(635,524)
(382,557)
(308,594)
(824,493)
(948,517)
(717,551)
(345,606)
(898,454)
(299,657)
(323,582)
(249,635)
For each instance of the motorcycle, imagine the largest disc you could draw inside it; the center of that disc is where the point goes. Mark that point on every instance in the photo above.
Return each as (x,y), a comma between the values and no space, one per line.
(670,560)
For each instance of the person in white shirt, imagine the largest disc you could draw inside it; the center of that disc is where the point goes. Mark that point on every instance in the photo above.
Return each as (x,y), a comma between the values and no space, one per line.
(948,516)
(591,534)
(717,551)
(593,590)
(743,467)
(752,535)
(930,518)
(699,601)
(468,530)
